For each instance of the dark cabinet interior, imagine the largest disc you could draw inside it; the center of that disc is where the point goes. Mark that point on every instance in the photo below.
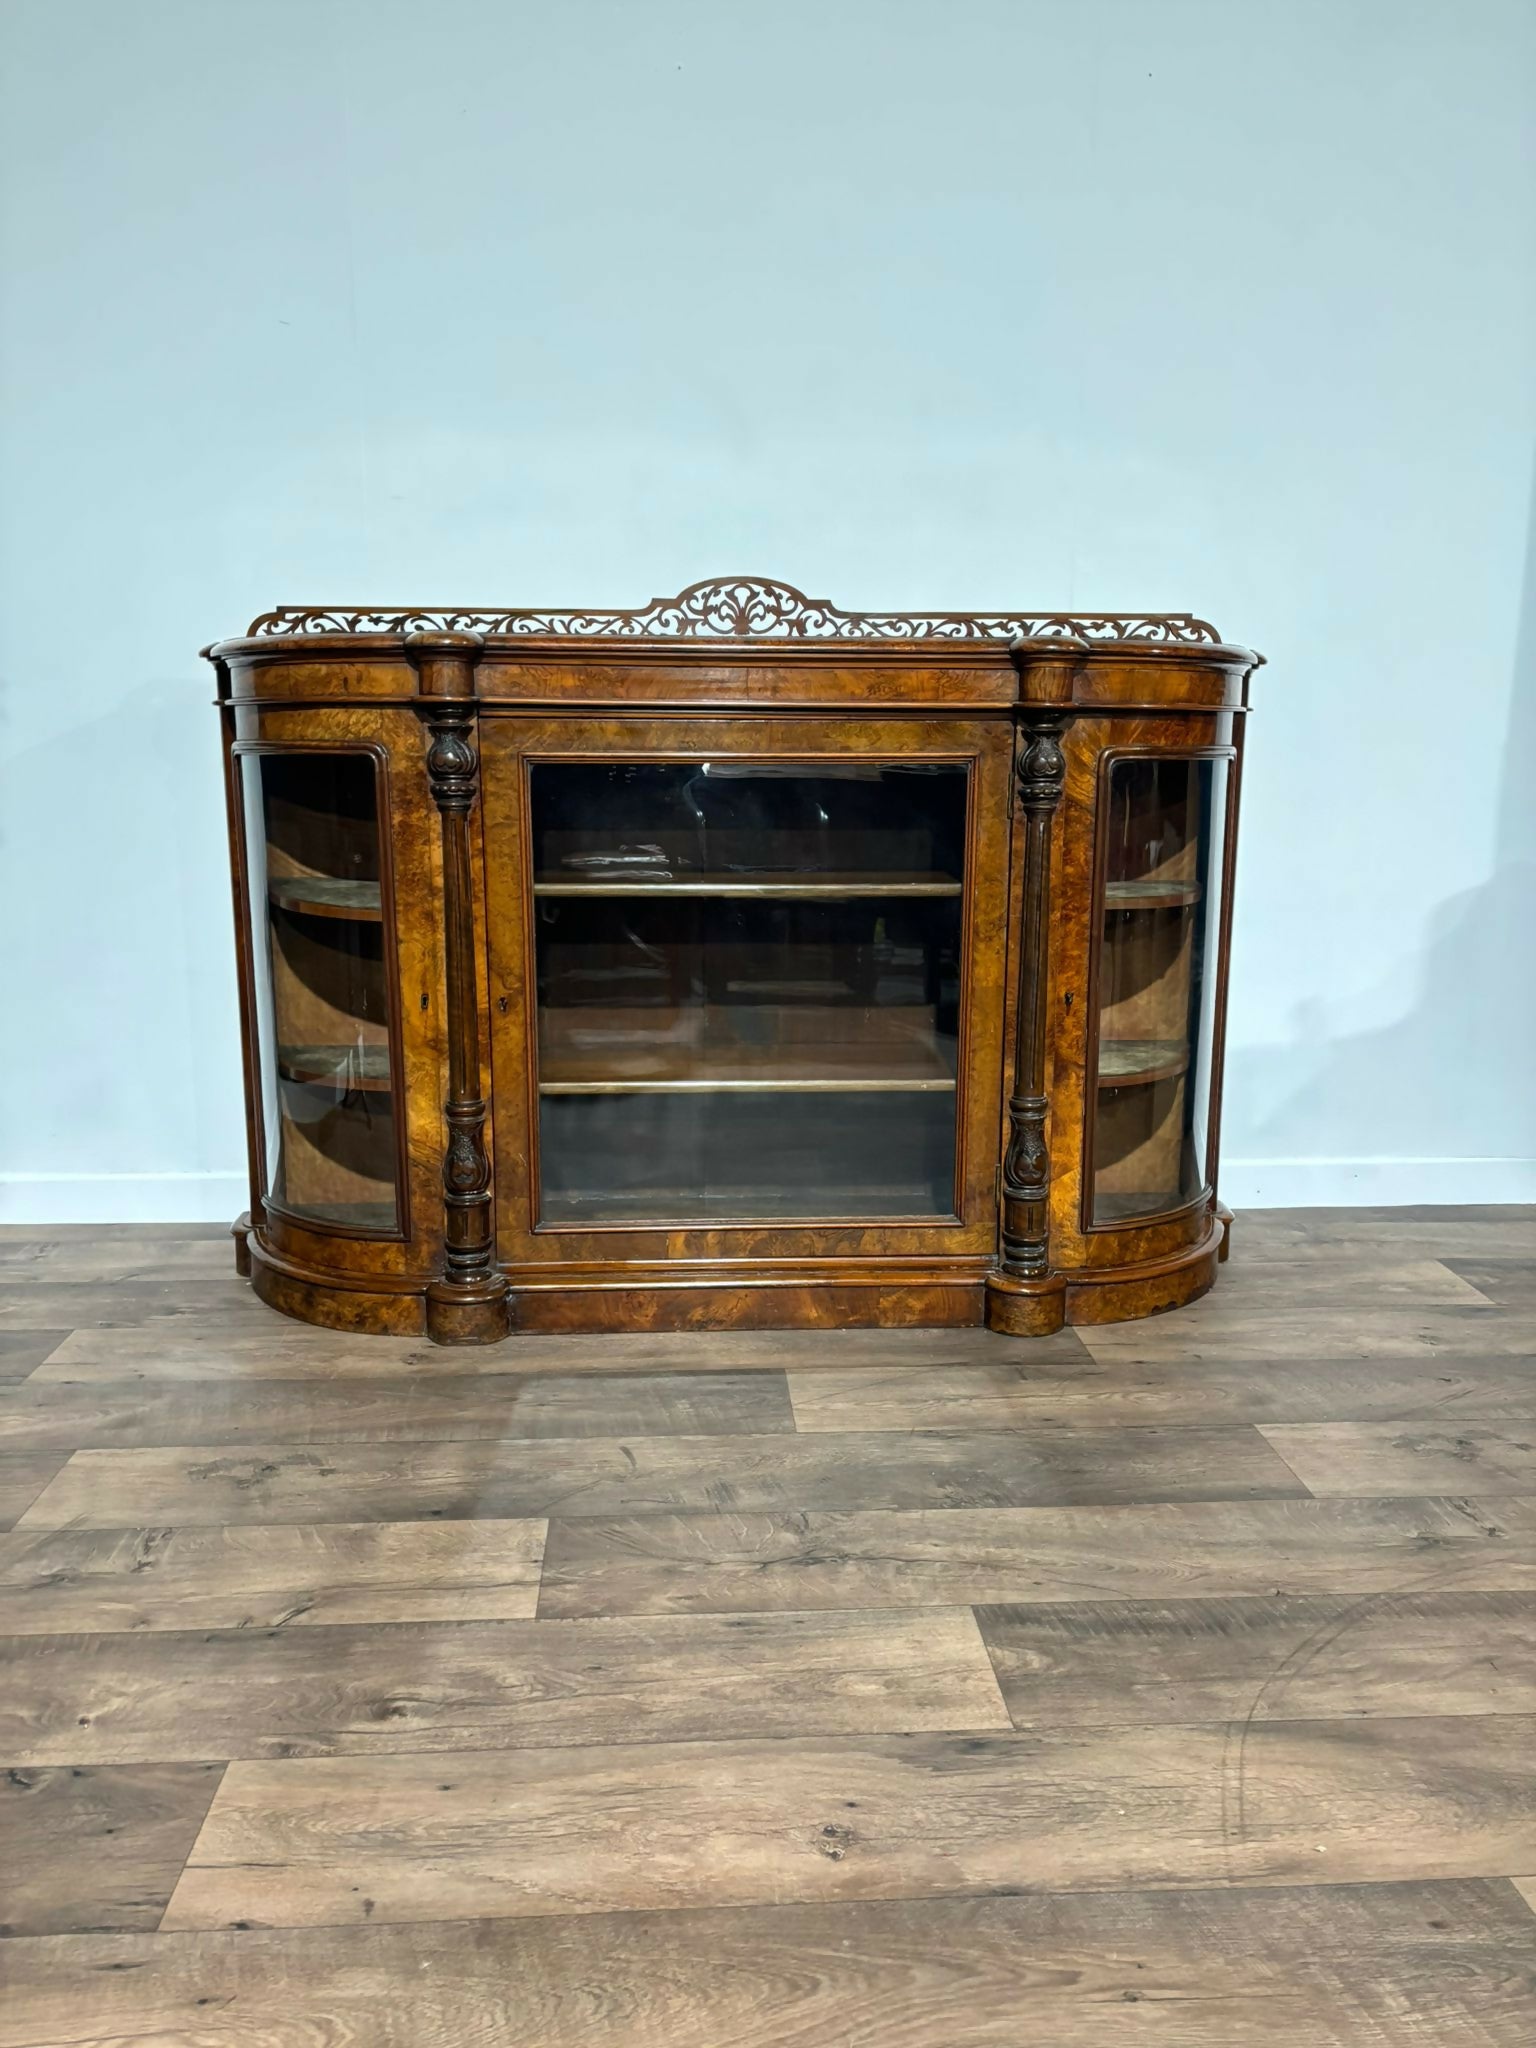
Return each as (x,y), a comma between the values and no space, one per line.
(748,987)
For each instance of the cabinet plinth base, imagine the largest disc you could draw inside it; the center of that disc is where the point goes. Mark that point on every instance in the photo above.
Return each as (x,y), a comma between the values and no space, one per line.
(550,1302)
(1025,1308)
(822,1302)
(1125,1293)
(463,1315)
(332,1302)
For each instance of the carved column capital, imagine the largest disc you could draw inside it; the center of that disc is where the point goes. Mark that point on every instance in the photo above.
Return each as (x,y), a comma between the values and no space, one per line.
(444,662)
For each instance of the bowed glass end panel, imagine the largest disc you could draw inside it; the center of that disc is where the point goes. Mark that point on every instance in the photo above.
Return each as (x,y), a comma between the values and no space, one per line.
(1164,837)
(321,987)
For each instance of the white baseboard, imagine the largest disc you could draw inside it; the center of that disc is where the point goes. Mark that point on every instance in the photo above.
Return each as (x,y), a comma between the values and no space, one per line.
(1373,1183)
(1245,1184)
(123,1197)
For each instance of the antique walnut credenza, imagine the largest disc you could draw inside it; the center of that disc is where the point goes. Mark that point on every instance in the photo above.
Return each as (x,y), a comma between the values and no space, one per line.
(734,962)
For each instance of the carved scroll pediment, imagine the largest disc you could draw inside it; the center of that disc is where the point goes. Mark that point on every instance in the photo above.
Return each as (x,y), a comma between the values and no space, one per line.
(740,608)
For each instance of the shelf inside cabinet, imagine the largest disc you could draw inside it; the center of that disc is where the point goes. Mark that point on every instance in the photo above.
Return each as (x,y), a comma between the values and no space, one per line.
(1149,895)
(817,884)
(337,1066)
(326,896)
(1136,1062)
(360,1215)
(757,1048)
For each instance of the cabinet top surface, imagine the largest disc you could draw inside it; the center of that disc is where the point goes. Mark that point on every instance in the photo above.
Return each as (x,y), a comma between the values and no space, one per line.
(731,618)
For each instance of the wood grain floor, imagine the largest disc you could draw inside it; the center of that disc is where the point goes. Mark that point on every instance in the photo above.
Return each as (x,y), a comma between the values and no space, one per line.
(1168,1683)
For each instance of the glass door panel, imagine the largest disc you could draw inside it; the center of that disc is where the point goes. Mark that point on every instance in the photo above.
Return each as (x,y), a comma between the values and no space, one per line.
(748,989)
(1164,839)
(321,986)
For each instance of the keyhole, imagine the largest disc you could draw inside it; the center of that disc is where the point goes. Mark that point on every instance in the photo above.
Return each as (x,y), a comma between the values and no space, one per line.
(1067,999)
(501,1004)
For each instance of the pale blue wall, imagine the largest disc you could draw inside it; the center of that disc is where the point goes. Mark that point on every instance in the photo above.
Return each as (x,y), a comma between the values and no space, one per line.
(1225,304)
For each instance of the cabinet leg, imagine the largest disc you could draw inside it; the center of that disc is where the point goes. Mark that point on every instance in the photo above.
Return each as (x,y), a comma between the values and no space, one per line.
(240,1231)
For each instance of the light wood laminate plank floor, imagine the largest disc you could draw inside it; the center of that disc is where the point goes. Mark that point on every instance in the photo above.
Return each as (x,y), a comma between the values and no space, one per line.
(1164,1683)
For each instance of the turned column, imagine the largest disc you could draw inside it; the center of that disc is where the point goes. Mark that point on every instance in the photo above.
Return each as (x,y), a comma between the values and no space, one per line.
(1024,1297)
(468,1302)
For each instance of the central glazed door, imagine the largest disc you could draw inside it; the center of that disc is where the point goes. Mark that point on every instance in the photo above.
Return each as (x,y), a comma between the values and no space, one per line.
(746,987)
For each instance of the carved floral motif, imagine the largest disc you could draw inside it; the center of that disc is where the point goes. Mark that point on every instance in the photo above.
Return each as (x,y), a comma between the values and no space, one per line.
(1043,766)
(466,1169)
(452,764)
(742,608)
(1027,1162)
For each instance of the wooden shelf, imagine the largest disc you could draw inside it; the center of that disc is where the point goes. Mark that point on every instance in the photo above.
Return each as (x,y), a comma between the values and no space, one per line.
(828,887)
(679,1205)
(1149,895)
(326,896)
(717,1084)
(1136,1062)
(697,1050)
(337,1066)
(349,1215)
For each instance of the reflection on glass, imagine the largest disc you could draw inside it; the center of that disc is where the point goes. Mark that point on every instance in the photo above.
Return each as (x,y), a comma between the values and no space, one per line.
(748,989)
(1157,985)
(322,1003)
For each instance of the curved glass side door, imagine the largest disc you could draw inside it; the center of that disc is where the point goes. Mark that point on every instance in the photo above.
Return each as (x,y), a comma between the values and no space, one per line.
(1163,834)
(321,987)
